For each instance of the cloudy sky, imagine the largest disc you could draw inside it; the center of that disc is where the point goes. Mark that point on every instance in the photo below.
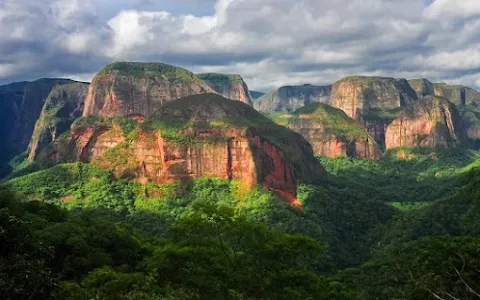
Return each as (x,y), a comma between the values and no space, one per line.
(269,42)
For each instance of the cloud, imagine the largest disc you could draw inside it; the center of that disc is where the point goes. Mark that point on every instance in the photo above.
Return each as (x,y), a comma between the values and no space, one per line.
(269,42)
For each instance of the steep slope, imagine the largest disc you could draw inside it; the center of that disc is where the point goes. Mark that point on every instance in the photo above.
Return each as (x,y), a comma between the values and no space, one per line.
(465,98)
(63,105)
(21,105)
(196,136)
(374,101)
(231,86)
(332,133)
(126,88)
(423,87)
(360,95)
(290,98)
(432,121)
(458,94)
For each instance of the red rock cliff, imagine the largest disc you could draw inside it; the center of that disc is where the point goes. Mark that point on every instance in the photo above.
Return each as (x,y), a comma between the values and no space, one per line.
(203,135)
(332,133)
(429,122)
(123,89)
(358,95)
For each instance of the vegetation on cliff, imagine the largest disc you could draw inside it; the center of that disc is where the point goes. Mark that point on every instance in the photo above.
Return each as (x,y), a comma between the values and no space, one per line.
(117,239)
(147,70)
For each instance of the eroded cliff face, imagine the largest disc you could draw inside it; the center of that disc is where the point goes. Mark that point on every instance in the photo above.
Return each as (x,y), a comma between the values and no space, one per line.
(429,122)
(123,89)
(332,133)
(458,94)
(197,136)
(423,87)
(21,104)
(63,105)
(230,86)
(291,98)
(358,96)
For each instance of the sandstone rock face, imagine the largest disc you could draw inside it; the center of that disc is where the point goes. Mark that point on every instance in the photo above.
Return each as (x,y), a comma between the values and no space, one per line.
(429,122)
(202,135)
(423,87)
(84,144)
(123,89)
(21,104)
(332,133)
(358,96)
(63,105)
(290,98)
(230,86)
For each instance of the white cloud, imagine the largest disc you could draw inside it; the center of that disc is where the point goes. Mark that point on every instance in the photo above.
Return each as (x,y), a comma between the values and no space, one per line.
(269,42)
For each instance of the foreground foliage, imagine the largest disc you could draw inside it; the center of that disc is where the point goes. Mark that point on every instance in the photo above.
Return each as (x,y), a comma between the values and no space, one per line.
(389,229)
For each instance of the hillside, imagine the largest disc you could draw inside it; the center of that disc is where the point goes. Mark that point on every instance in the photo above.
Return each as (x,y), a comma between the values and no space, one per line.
(20,107)
(150,196)
(330,131)
(196,136)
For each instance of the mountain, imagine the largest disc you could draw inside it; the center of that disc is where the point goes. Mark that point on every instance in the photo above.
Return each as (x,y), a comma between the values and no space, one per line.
(130,88)
(372,101)
(465,98)
(255,95)
(196,136)
(231,86)
(423,87)
(21,104)
(290,98)
(330,131)
(431,121)
(360,95)
(63,105)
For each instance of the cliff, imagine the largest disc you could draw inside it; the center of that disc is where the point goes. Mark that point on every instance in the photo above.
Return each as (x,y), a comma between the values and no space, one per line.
(21,104)
(330,131)
(231,86)
(358,96)
(200,135)
(290,98)
(63,105)
(423,87)
(432,121)
(128,88)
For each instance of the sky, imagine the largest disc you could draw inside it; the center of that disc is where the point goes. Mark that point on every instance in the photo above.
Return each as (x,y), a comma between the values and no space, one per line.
(269,42)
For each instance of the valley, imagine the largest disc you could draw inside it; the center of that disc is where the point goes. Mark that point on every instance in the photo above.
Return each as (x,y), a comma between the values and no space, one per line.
(153,182)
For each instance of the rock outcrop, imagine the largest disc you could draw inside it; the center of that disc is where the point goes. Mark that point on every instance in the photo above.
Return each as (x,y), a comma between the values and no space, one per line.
(331,132)
(458,94)
(291,98)
(127,88)
(21,104)
(428,122)
(230,86)
(64,104)
(358,96)
(423,87)
(201,135)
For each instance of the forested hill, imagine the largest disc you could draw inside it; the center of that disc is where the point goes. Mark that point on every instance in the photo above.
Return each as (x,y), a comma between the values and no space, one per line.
(153,182)
(385,229)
